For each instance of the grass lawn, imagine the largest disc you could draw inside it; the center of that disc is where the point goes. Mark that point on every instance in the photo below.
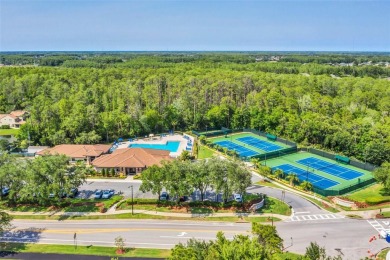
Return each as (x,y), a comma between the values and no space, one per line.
(9,131)
(375,190)
(382,254)
(204,152)
(74,205)
(144,216)
(83,250)
(275,206)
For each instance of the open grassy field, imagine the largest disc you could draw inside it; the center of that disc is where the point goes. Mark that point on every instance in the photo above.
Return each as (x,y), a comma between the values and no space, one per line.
(375,190)
(84,250)
(9,131)
(205,152)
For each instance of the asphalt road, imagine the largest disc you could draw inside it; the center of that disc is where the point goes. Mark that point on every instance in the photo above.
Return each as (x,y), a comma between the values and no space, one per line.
(347,237)
(351,237)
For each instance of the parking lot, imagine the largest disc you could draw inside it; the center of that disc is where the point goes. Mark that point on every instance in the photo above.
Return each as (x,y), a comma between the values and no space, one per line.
(87,190)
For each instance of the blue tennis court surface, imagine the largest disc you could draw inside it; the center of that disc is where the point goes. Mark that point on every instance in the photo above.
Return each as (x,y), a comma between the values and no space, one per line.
(331,168)
(317,181)
(242,151)
(263,145)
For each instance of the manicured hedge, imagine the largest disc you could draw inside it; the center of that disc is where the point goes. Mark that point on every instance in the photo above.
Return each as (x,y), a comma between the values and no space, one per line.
(377,200)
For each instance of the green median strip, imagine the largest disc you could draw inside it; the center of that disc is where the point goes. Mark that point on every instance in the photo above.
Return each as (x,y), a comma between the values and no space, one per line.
(145,216)
(83,250)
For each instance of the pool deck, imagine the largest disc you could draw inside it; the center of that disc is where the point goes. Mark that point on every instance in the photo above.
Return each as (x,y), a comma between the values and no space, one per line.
(158,140)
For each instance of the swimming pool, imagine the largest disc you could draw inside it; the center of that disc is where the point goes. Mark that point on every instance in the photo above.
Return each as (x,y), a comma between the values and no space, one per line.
(170,146)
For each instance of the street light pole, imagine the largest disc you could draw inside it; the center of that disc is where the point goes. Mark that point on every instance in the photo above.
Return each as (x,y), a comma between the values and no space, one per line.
(132,200)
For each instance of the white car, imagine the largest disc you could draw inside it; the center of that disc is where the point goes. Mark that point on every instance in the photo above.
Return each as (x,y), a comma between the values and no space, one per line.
(237,197)
(107,194)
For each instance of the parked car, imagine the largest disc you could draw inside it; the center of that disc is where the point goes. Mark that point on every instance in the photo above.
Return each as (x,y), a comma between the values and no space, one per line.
(237,197)
(5,191)
(164,196)
(107,194)
(183,198)
(61,195)
(73,193)
(98,194)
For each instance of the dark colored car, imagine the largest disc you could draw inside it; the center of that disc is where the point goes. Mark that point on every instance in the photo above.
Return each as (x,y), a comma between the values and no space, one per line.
(164,196)
(73,193)
(183,198)
(5,191)
(98,194)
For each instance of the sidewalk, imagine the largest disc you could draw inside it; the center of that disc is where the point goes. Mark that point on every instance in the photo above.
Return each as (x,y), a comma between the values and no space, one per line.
(129,179)
(149,212)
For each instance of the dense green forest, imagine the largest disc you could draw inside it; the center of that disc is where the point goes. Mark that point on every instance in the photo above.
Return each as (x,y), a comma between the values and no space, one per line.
(303,98)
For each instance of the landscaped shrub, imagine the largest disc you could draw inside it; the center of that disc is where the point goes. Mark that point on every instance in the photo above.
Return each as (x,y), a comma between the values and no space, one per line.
(377,200)
(137,177)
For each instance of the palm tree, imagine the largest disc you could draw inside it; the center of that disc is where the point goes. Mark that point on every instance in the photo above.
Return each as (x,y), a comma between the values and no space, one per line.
(293,178)
(306,185)
(256,162)
(279,174)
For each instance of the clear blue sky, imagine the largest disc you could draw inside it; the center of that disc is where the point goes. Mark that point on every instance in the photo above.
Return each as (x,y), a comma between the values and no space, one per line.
(159,25)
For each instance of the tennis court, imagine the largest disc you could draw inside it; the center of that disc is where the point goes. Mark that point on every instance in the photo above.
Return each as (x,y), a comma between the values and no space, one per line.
(330,167)
(261,144)
(317,181)
(242,151)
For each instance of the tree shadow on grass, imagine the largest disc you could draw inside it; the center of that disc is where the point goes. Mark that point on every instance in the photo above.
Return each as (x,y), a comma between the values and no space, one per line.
(384,192)
(14,240)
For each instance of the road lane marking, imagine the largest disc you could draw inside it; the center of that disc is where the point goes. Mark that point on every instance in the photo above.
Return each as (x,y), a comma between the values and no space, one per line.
(89,231)
(72,222)
(302,212)
(210,238)
(182,234)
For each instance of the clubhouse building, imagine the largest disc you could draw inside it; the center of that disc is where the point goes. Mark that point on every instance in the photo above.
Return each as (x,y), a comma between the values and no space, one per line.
(131,161)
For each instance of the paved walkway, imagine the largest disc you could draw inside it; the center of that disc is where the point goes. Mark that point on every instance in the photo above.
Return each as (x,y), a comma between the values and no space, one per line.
(128,179)
(43,256)
(149,212)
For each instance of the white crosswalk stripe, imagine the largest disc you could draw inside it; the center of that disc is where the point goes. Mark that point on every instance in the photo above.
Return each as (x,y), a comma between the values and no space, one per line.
(314,217)
(378,226)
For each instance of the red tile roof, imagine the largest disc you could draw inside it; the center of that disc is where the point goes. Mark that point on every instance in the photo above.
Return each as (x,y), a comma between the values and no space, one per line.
(132,158)
(77,150)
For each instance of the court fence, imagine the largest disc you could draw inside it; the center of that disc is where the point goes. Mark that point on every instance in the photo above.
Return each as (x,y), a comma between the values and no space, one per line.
(216,132)
(352,187)
(278,139)
(357,164)
(274,154)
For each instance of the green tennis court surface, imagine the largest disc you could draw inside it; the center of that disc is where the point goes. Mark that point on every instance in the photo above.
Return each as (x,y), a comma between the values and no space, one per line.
(248,144)
(323,173)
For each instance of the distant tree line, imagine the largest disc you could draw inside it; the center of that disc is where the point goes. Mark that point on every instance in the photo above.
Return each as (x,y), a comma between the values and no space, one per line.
(148,94)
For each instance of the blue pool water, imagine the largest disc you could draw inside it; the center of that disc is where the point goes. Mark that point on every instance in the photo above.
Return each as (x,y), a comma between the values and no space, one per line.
(170,146)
